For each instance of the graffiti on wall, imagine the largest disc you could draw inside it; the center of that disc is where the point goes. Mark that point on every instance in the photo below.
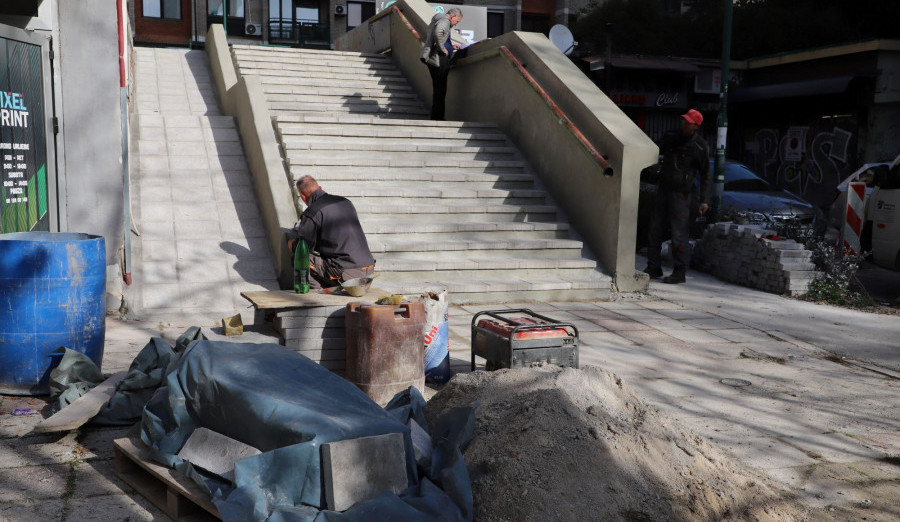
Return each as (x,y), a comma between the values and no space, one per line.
(807,160)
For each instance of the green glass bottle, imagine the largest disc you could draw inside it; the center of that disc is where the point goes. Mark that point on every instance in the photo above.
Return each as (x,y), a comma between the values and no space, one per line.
(301,267)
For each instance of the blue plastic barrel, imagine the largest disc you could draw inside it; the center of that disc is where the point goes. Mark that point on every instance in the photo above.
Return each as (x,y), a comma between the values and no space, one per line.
(52,294)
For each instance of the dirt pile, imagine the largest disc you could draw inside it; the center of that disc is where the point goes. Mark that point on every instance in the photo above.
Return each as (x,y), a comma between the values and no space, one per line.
(556,443)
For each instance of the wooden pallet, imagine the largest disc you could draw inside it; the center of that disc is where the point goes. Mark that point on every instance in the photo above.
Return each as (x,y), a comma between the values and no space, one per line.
(166,488)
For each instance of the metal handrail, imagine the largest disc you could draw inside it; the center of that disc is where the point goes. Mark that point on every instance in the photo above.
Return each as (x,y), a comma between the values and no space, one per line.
(298,31)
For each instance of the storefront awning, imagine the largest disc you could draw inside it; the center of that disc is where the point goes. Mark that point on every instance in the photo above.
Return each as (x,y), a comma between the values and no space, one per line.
(833,85)
(654,64)
(649,64)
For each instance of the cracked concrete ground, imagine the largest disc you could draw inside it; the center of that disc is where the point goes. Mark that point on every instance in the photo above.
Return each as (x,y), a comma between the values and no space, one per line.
(819,415)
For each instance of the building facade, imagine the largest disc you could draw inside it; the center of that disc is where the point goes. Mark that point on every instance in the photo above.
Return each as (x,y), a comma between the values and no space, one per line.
(808,119)
(62,130)
(804,120)
(315,23)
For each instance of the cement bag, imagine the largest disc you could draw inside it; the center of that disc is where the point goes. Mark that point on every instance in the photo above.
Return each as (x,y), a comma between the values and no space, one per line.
(437,337)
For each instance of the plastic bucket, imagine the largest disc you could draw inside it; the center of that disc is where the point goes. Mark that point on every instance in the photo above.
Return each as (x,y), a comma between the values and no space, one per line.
(52,295)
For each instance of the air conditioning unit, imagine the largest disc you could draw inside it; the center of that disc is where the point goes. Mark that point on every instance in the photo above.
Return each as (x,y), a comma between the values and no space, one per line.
(253,29)
(340,10)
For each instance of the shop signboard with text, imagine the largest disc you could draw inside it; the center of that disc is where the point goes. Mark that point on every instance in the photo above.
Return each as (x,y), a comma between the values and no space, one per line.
(657,99)
(24,194)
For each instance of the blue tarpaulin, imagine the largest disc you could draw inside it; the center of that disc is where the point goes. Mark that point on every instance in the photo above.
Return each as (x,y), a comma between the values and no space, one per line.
(286,405)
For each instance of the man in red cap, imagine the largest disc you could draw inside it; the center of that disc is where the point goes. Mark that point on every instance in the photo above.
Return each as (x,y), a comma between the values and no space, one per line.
(684,154)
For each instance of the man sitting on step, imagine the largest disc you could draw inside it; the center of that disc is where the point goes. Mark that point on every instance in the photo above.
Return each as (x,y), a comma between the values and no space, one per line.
(338,250)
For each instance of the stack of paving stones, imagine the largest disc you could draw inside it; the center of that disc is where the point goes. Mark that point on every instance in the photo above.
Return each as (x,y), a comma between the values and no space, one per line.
(755,257)
(316,332)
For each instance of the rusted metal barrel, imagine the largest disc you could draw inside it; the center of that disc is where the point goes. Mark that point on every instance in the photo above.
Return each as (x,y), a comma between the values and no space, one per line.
(385,348)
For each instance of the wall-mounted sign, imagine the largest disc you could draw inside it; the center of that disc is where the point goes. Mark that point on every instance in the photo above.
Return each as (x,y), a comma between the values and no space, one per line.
(666,99)
(629,98)
(23,149)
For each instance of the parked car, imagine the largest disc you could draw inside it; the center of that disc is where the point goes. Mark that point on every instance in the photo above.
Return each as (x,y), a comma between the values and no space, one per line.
(747,198)
(885,204)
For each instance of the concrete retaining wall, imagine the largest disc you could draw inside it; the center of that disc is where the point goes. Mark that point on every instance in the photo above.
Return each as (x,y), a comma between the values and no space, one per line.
(244,99)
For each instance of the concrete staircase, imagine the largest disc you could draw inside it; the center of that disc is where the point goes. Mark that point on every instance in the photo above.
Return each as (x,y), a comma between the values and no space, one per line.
(443,204)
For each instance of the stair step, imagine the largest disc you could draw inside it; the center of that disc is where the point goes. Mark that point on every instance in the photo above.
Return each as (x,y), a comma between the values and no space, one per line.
(377,193)
(421,160)
(500,176)
(504,290)
(318,86)
(327,93)
(333,77)
(398,132)
(551,248)
(463,265)
(362,108)
(411,147)
(290,64)
(388,225)
(389,189)
(391,229)
(329,131)
(462,144)
(466,211)
(255,53)
(293,51)
(404,115)
(347,119)
(348,103)
(331,74)
(356,104)
(295,56)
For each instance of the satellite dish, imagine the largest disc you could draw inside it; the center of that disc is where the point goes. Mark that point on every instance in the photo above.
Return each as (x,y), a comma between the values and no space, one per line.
(562,38)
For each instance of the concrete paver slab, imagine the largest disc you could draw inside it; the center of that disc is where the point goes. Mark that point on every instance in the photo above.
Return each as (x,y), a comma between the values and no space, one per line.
(33,510)
(682,314)
(694,336)
(103,508)
(33,482)
(712,323)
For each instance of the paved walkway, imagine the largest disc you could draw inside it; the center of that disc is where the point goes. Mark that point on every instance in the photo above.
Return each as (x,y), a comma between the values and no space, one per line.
(201,238)
(822,429)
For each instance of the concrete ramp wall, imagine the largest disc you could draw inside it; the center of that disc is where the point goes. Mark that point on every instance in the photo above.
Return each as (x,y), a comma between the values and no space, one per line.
(557,117)
(244,99)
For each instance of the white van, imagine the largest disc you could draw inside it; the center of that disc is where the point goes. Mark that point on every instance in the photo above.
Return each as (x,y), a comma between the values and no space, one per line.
(884,207)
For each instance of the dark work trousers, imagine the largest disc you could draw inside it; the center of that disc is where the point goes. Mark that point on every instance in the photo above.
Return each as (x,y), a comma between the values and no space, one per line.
(439,86)
(325,274)
(672,211)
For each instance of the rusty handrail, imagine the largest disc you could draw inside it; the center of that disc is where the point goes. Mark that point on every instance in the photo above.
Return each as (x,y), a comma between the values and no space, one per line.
(506,53)
(403,19)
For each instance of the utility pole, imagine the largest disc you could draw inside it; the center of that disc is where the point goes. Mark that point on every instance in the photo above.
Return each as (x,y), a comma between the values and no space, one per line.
(722,135)
(225,18)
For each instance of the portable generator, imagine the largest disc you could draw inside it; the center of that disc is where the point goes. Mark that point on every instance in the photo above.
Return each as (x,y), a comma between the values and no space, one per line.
(519,338)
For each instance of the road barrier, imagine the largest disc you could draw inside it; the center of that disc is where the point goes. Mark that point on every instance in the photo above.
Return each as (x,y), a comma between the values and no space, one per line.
(853,218)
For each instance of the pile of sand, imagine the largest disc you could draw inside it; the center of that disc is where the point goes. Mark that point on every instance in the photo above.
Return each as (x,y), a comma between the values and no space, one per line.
(556,443)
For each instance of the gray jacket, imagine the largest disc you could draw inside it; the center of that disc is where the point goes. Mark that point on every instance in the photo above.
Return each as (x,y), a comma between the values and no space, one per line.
(438,34)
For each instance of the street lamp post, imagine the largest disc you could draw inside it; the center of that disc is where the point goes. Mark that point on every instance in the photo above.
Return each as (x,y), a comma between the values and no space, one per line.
(722,135)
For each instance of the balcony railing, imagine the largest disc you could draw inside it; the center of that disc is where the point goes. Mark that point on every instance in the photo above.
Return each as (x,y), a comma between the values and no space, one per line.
(302,33)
